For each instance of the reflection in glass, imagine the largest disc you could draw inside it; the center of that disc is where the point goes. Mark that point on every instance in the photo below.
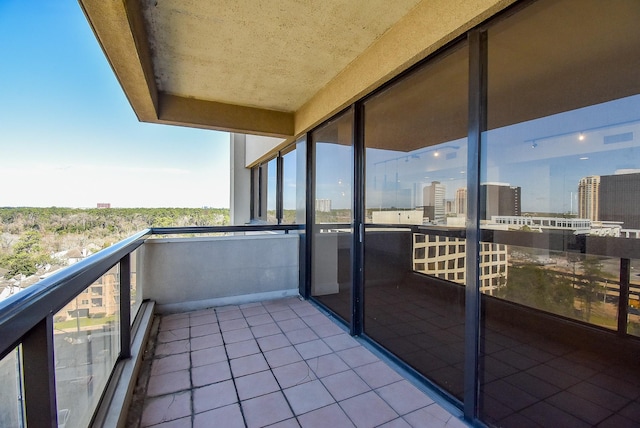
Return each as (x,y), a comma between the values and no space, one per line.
(416,164)
(444,257)
(86,346)
(331,269)
(301,181)
(633,309)
(257,211)
(272,193)
(289,187)
(11,405)
(560,188)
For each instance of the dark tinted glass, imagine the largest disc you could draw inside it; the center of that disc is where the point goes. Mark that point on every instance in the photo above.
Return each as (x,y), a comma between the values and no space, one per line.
(416,163)
(331,266)
(561,191)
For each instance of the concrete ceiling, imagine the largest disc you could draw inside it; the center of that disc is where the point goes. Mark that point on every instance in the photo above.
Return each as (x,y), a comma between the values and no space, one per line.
(280,67)
(221,51)
(267,67)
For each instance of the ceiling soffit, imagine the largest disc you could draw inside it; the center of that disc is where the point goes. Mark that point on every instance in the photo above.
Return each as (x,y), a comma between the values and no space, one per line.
(270,68)
(273,55)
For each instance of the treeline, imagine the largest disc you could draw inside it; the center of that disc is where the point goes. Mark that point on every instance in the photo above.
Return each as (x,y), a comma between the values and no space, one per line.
(30,236)
(105,221)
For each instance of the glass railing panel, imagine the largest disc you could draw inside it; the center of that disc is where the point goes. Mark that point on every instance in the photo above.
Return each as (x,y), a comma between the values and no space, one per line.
(136,292)
(11,404)
(86,346)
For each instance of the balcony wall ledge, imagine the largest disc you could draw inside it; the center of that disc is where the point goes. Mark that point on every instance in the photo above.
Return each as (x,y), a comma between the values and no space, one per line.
(170,308)
(184,274)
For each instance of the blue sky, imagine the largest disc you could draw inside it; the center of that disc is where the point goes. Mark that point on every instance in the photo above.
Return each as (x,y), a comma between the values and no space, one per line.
(68,136)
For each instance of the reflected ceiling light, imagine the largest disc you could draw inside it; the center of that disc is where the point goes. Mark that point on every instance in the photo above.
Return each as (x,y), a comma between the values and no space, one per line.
(462,172)
(584,158)
(581,137)
(436,154)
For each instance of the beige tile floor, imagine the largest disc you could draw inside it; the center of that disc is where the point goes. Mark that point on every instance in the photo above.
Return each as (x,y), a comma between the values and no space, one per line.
(278,363)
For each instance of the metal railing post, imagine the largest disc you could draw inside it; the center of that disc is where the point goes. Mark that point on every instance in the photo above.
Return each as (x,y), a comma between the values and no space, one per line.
(125,306)
(39,375)
(623,300)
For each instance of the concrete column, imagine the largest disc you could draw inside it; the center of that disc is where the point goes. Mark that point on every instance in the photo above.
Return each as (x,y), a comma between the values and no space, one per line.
(240,205)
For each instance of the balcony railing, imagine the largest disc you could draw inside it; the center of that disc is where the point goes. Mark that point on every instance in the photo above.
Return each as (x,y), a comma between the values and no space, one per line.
(57,360)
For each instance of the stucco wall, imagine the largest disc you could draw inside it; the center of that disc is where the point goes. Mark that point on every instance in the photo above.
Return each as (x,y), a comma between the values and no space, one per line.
(183,273)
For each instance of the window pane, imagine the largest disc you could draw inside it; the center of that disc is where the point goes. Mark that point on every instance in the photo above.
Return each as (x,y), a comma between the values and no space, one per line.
(289,187)
(416,162)
(272,193)
(136,291)
(301,181)
(257,210)
(86,345)
(560,186)
(331,270)
(11,406)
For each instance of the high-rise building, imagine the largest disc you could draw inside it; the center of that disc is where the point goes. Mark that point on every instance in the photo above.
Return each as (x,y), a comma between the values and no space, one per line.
(323,205)
(461,200)
(444,257)
(433,196)
(619,199)
(588,197)
(499,199)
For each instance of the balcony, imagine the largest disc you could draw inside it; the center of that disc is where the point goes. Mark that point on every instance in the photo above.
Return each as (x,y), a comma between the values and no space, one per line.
(210,328)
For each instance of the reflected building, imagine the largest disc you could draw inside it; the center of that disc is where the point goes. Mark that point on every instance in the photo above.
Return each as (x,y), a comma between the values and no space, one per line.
(620,199)
(588,197)
(434,203)
(500,199)
(461,200)
(101,299)
(444,257)
(323,205)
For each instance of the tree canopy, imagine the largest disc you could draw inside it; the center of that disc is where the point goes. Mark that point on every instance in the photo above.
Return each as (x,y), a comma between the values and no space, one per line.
(29,236)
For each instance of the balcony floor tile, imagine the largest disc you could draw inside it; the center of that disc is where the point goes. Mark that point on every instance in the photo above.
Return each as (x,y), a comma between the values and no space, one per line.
(210,373)
(168,383)
(281,364)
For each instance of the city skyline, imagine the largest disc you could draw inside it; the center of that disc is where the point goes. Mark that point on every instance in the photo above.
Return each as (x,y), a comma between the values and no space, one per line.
(545,157)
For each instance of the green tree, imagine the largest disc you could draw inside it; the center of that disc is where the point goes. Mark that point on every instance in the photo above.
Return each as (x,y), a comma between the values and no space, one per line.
(29,243)
(540,288)
(26,256)
(592,275)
